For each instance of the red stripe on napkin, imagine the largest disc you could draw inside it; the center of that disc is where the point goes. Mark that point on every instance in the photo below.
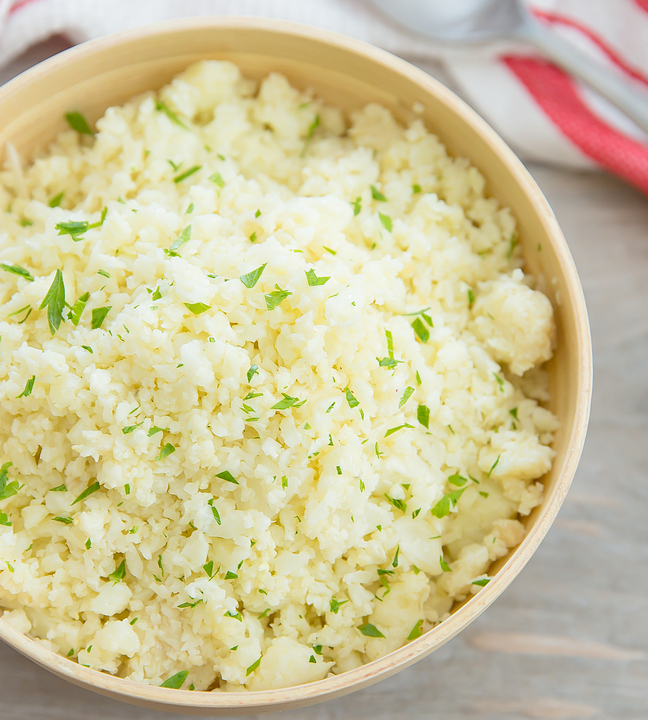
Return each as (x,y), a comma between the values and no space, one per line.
(556,94)
(597,40)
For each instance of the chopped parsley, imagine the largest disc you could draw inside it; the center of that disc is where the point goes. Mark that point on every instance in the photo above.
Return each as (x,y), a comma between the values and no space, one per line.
(214,512)
(442,508)
(309,134)
(119,573)
(59,488)
(184,237)
(252,278)
(190,604)
(17,270)
(512,244)
(377,195)
(386,221)
(406,396)
(471,296)
(254,369)
(444,565)
(423,415)
(482,582)
(78,122)
(276,297)
(514,413)
(216,178)
(328,250)
(493,466)
(229,575)
(190,209)
(500,382)
(420,329)
(129,429)
(351,398)
(75,229)
(175,682)
(7,489)
(88,491)
(357,206)
(56,200)
(55,302)
(163,107)
(64,520)
(255,664)
(4,520)
(371,631)
(74,313)
(415,514)
(416,189)
(335,605)
(197,308)
(391,431)
(29,386)
(288,402)
(99,315)
(187,173)
(155,429)
(457,480)
(417,631)
(227,475)
(209,569)
(396,554)
(253,237)
(313,280)
(165,451)
(398,504)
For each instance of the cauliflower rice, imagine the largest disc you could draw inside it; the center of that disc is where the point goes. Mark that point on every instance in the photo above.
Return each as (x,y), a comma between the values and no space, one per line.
(289,413)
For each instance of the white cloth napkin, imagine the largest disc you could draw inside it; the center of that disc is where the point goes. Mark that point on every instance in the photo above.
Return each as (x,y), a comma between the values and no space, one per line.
(537,108)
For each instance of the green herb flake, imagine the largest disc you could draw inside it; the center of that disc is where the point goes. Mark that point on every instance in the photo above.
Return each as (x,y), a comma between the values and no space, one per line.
(75,229)
(163,107)
(227,475)
(313,280)
(119,573)
(493,466)
(423,416)
(88,491)
(29,386)
(216,178)
(386,221)
(288,402)
(252,278)
(99,315)
(335,605)
(88,544)
(7,489)
(253,237)
(393,430)
(17,270)
(56,200)
(351,398)
(254,369)
(417,631)
(500,382)
(377,195)
(309,134)
(420,329)
(215,513)
(406,396)
(58,488)
(183,238)
(165,451)
(471,296)
(398,504)
(187,173)
(175,682)
(55,302)
(253,667)
(512,243)
(284,482)
(370,630)
(416,189)
(78,122)
(415,514)
(190,209)
(328,250)
(276,297)
(396,554)
(190,604)
(64,520)
(357,206)
(74,314)
(444,565)
(129,429)
(457,480)
(483,494)
(4,520)
(197,308)
(514,413)
(442,508)
(481,582)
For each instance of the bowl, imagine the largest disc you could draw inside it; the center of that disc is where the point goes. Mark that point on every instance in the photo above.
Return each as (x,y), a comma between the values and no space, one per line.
(346,73)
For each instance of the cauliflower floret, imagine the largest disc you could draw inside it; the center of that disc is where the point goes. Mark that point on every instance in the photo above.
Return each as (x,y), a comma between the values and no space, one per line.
(514,322)
(287,662)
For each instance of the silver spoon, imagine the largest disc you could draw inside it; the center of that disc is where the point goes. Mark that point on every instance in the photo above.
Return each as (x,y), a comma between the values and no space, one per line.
(482,20)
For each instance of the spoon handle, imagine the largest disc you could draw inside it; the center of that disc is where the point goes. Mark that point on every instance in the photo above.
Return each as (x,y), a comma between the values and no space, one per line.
(611,85)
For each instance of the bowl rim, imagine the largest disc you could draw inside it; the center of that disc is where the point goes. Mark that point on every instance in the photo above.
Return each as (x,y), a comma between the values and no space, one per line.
(404,656)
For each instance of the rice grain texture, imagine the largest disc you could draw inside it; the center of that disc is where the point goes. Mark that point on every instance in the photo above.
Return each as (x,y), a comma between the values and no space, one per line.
(263,414)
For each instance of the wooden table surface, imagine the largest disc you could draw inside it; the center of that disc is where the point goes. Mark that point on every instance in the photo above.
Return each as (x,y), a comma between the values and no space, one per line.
(569,638)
